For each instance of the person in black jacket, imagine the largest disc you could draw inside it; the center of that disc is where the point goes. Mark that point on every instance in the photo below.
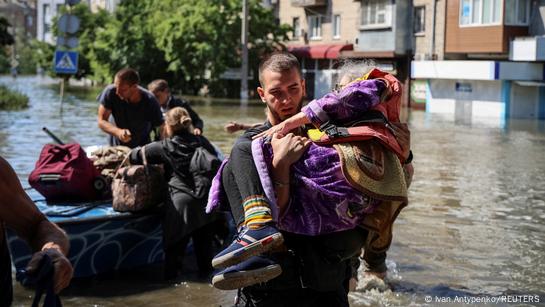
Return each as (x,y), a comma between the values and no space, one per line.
(167,101)
(184,215)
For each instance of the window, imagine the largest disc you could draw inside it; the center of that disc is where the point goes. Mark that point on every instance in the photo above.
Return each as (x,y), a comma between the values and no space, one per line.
(337,26)
(315,26)
(296,28)
(419,20)
(517,12)
(480,12)
(46,20)
(376,14)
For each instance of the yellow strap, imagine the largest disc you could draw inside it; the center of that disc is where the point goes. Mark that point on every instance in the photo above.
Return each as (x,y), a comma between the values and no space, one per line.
(363,78)
(315,135)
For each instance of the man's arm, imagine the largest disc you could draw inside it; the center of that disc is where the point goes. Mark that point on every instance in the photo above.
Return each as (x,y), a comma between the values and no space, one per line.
(124,135)
(286,151)
(20,214)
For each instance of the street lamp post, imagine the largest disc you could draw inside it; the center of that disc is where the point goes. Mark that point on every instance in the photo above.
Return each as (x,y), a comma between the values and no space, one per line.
(244,43)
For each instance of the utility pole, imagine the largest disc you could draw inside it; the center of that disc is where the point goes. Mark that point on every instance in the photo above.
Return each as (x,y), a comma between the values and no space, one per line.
(14,62)
(244,42)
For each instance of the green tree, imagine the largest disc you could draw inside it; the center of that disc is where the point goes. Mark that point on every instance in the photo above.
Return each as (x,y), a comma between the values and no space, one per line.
(5,37)
(42,55)
(188,42)
(127,41)
(201,39)
(90,25)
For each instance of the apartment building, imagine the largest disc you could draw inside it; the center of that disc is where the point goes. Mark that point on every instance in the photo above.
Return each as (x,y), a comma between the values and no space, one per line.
(326,31)
(429,41)
(489,70)
(22,17)
(47,9)
(108,5)
(323,29)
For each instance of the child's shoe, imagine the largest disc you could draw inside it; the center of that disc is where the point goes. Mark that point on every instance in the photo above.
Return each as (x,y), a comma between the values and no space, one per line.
(252,271)
(249,242)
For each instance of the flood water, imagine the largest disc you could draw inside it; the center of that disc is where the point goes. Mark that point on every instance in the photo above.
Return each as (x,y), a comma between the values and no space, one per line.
(474,228)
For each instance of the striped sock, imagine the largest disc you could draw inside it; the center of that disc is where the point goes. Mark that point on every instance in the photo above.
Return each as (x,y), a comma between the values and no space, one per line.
(257,211)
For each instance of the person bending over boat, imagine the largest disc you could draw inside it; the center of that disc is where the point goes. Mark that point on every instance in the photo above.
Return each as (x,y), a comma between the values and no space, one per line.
(18,212)
(135,111)
(184,215)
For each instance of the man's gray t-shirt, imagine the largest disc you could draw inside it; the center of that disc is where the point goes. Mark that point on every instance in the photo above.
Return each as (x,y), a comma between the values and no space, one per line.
(139,118)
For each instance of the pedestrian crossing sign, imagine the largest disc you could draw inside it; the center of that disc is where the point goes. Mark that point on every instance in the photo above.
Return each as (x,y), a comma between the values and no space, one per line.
(66,62)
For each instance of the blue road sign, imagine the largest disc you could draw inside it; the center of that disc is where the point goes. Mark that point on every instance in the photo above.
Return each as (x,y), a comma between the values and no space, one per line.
(66,62)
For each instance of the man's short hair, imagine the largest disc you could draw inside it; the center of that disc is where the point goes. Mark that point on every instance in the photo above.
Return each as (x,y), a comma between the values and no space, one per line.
(128,76)
(278,62)
(158,85)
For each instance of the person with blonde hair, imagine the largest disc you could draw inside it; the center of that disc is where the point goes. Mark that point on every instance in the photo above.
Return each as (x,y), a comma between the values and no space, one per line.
(184,214)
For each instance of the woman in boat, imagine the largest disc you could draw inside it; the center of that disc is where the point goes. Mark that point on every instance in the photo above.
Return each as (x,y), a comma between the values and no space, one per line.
(184,215)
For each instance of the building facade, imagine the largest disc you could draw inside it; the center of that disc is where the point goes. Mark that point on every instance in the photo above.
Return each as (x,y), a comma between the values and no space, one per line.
(21,16)
(386,36)
(47,9)
(327,31)
(323,29)
(490,69)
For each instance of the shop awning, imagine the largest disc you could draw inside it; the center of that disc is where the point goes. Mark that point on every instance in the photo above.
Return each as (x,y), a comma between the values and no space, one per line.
(319,51)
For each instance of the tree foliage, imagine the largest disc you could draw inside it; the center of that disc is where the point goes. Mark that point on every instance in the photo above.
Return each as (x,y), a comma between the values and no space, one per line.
(201,39)
(5,37)
(188,42)
(127,41)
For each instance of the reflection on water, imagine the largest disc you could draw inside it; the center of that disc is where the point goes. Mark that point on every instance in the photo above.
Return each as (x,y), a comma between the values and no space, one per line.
(474,225)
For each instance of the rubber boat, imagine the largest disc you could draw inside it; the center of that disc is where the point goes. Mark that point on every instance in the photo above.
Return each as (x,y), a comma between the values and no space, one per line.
(101,239)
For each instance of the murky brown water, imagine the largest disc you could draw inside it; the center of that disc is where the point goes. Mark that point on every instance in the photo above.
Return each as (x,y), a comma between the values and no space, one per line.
(475,225)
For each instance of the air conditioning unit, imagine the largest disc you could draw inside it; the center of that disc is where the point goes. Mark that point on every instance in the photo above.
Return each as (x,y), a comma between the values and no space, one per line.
(274,1)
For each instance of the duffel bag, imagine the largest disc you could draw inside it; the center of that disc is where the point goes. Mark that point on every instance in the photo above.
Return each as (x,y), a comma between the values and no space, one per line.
(138,187)
(63,172)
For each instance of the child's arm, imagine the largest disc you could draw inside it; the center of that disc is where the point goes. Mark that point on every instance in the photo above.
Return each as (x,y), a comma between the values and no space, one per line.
(347,105)
(342,107)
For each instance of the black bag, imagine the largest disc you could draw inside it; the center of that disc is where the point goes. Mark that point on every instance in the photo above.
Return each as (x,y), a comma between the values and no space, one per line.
(203,167)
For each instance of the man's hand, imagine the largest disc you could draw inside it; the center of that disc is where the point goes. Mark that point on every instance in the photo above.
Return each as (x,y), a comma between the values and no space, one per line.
(288,149)
(63,268)
(231,127)
(124,135)
(197,131)
(403,137)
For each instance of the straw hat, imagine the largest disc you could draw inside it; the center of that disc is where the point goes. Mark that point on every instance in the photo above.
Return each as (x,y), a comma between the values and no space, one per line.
(372,169)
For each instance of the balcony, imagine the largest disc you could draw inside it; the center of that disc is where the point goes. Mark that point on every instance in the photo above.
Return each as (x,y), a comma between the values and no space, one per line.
(308,3)
(529,49)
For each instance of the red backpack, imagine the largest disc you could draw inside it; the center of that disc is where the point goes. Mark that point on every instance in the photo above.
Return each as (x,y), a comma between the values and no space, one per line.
(63,172)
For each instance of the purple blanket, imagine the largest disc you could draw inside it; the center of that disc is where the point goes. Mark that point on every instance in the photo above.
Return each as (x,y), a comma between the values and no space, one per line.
(321,199)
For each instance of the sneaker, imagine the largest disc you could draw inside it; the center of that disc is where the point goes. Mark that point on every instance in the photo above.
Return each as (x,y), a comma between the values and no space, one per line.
(252,271)
(249,242)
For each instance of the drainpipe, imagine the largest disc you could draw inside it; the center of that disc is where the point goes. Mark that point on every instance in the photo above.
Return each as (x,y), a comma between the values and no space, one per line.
(432,41)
